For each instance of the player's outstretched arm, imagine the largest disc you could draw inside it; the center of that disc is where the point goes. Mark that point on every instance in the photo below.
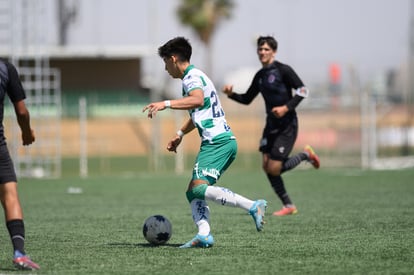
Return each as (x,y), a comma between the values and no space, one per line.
(154,107)
(228,90)
(194,100)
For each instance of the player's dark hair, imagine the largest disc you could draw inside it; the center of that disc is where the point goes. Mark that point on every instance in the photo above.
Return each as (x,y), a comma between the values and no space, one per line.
(269,40)
(178,46)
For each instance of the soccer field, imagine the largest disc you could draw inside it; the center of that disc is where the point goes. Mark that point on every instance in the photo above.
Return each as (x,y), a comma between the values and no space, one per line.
(349,222)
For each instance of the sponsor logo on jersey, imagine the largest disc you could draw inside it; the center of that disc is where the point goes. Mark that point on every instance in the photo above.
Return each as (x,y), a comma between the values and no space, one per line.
(271,78)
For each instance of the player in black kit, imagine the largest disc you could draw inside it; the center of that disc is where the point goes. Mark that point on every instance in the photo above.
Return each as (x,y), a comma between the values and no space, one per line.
(282,91)
(10,84)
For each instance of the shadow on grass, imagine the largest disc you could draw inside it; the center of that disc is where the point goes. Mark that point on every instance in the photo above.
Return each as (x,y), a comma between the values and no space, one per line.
(142,245)
(10,269)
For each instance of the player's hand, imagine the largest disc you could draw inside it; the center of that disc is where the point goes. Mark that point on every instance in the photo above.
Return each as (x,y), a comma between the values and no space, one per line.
(173,144)
(228,89)
(28,137)
(153,108)
(280,111)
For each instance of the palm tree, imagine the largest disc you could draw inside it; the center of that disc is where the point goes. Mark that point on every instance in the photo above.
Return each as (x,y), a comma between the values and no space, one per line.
(204,16)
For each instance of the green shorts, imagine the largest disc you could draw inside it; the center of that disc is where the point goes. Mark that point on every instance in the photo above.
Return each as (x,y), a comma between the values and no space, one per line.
(214,159)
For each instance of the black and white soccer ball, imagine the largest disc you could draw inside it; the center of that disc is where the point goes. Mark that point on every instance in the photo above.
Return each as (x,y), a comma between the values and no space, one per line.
(157,229)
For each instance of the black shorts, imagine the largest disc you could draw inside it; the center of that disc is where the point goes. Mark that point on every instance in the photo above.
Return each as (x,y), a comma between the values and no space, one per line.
(7,173)
(279,142)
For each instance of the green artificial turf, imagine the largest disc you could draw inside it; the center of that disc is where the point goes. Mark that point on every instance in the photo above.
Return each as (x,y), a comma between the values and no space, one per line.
(349,222)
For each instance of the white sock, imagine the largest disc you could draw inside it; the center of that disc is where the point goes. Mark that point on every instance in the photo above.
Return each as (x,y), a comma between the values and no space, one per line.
(225,196)
(201,216)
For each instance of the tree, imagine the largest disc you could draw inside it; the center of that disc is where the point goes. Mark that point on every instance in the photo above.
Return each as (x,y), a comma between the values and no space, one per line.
(204,16)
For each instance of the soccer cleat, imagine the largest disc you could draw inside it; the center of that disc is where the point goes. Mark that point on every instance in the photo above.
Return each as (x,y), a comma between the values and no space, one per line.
(286,211)
(200,241)
(23,262)
(312,156)
(257,211)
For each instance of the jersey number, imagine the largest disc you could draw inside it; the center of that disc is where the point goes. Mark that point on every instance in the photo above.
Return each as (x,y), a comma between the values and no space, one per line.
(217,110)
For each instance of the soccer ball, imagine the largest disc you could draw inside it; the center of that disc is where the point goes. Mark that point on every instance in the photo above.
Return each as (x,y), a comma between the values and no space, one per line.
(157,229)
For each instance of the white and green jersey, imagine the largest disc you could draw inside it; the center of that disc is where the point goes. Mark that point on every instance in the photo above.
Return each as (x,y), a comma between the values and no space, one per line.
(209,119)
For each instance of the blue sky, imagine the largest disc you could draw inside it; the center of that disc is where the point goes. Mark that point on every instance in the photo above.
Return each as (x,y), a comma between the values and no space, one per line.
(370,36)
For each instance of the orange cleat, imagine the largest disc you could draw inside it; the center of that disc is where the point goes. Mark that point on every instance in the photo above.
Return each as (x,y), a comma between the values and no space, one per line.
(24,263)
(313,157)
(286,211)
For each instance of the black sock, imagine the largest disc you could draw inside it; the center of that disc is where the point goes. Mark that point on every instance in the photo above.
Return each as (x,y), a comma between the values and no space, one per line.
(16,231)
(294,161)
(279,188)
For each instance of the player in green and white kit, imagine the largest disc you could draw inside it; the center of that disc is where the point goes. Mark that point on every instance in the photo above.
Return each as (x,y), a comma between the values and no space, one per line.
(218,145)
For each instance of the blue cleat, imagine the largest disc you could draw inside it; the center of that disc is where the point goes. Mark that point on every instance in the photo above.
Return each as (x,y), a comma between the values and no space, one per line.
(200,241)
(257,211)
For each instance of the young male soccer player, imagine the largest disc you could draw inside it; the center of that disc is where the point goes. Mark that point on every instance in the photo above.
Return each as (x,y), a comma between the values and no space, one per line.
(10,84)
(275,81)
(218,145)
